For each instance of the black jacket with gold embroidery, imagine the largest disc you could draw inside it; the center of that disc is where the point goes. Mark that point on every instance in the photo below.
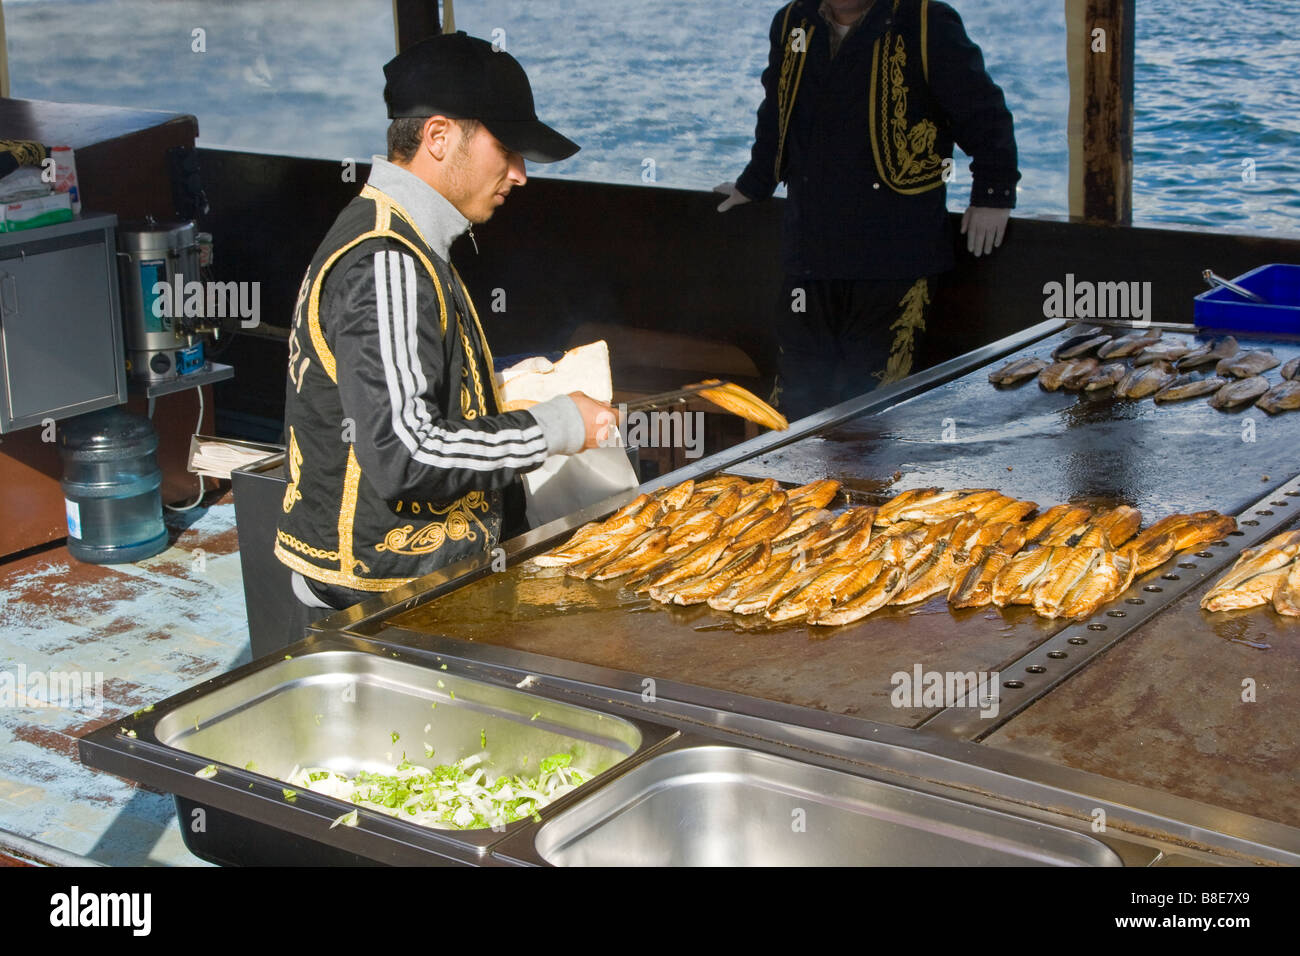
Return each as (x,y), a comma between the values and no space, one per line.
(396,450)
(861,139)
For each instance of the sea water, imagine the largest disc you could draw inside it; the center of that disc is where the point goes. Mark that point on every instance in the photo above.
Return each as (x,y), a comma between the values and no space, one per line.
(663,92)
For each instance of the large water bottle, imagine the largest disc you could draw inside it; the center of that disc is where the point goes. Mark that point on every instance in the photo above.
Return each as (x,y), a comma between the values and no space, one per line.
(112,487)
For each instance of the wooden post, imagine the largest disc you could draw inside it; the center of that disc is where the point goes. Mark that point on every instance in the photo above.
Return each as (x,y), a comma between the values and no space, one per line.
(414,20)
(1100,37)
(4,55)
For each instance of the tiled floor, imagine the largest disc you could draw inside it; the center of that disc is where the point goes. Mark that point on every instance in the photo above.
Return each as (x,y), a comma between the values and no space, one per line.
(141,632)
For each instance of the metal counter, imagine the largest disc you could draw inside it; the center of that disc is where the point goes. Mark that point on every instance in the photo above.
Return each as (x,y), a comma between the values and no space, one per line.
(1079,702)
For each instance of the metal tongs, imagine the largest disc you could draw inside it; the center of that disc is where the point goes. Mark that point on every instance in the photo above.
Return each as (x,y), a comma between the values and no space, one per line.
(1215,281)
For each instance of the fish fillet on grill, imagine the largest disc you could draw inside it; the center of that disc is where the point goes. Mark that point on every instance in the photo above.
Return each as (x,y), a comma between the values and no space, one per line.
(729,597)
(1073,525)
(1041,526)
(1052,592)
(694,527)
(973,586)
(1283,397)
(1016,582)
(688,565)
(752,560)
(1286,598)
(1058,374)
(1111,528)
(1247,364)
(764,527)
(1109,578)
(889,512)
(883,581)
(1080,345)
(1017,370)
(815,494)
(768,588)
(677,496)
(1209,354)
(1130,344)
(636,555)
(822,588)
(1254,578)
(935,511)
(932,569)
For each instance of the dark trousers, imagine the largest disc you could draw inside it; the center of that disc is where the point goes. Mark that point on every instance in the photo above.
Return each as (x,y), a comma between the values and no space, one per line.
(840,338)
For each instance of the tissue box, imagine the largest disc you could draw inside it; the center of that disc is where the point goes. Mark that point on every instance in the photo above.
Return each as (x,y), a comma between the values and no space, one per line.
(33,213)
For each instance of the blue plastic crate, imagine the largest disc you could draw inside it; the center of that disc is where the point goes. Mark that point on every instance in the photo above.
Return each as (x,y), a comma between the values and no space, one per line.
(1280,287)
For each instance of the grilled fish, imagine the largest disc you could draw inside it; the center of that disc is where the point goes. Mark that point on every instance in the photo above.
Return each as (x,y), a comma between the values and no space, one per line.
(1209,354)
(1247,364)
(815,494)
(1153,551)
(1109,578)
(720,483)
(823,588)
(592,545)
(1291,370)
(1166,350)
(722,503)
(694,527)
(850,543)
(1051,593)
(689,565)
(1189,531)
(1145,380)
(1085,368)
(1017,370)
(751,561)
(1241,392)
(1071,527)
(769,589)
(1190,385)
(1042,525)
(751,506)
(1286,598)
(1080,345)
(638,554)
(729,597)
(802,524)
(1252,581)
(1111,529)
(886,580)
(973,586)
(1130,344)
(963,502)
(764,528)
(890,510)
(1105,377)
(1280,398)
(1053,377)
(1015,583)
(675,497)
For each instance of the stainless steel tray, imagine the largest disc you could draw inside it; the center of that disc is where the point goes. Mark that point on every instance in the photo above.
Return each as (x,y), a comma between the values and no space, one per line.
(731,806)
(347,708)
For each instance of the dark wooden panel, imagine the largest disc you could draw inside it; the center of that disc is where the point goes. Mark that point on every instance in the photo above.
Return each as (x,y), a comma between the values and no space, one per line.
(121,153)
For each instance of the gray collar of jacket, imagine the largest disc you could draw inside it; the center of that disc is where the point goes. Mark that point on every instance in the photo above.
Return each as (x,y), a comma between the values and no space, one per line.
(433,214)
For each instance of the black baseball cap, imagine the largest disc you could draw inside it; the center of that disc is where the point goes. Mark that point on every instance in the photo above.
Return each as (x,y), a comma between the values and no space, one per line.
(462,77)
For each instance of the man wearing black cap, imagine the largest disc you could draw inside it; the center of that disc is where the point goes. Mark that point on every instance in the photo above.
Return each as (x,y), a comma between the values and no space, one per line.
(397,449)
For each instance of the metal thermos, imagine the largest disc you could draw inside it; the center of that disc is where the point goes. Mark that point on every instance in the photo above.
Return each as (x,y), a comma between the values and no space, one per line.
(160,335)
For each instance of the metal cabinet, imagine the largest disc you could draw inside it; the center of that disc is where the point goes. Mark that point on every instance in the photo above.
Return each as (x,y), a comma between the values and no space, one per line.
(60,322)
